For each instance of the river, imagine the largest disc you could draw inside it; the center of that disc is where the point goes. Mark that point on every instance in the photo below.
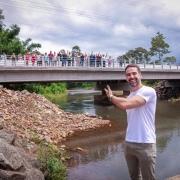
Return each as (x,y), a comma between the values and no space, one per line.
(104,159)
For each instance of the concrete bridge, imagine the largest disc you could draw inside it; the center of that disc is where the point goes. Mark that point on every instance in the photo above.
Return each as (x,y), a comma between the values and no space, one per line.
(114,76)
(26,74)
(74,72)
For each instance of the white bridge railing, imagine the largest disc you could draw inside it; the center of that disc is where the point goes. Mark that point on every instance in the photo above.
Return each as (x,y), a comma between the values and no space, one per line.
(87,63)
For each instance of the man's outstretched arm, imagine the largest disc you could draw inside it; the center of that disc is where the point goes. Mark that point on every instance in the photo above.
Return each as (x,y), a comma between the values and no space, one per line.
(125,103)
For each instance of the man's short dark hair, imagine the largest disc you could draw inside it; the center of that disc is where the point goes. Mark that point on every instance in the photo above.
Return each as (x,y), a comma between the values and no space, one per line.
(133,65)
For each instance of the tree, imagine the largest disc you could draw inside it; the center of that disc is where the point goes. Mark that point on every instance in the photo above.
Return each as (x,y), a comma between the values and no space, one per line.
(76,49)
(1,20)
(171,59)
(33,47)
(10,43)
(159,46)
(139,54)
(1,28)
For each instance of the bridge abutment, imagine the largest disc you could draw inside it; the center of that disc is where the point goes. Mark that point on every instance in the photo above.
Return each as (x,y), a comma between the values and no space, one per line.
(168,89)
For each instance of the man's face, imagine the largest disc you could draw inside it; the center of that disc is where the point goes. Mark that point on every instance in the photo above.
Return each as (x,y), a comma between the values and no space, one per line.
(133,77)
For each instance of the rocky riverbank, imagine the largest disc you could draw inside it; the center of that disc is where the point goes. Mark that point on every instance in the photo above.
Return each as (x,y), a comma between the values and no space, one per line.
(27,119)
(29,114)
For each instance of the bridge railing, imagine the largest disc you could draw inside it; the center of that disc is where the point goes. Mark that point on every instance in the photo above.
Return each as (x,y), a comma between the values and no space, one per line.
(77,62)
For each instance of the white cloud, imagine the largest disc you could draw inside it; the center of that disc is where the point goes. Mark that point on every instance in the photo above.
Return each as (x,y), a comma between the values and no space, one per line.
(102,26)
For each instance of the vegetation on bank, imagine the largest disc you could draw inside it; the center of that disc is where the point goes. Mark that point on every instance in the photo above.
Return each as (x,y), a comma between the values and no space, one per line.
(80,85)
(50,89)
(151,83)
(51,159)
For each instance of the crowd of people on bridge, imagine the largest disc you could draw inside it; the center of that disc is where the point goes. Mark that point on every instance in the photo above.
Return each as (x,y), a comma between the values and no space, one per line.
(65,58)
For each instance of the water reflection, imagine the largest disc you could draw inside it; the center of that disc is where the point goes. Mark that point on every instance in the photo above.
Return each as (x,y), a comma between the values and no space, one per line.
(103,146)
(104,159)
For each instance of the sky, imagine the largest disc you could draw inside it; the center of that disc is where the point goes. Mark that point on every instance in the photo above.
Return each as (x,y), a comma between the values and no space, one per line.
(98,26)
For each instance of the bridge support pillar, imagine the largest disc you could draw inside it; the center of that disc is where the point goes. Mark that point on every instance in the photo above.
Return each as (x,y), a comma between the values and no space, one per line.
(126,93)
(122,88)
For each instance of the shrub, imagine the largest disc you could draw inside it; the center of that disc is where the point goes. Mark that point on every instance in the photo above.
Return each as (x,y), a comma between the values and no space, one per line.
(51,159)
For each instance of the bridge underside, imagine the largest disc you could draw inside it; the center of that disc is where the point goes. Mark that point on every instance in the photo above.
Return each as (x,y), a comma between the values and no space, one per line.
(165,89)
(114,85)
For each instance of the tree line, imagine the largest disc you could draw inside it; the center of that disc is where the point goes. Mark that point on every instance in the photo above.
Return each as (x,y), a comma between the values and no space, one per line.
(158,49)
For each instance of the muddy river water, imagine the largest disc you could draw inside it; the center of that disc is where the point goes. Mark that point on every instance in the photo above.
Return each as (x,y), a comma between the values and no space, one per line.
(104,159)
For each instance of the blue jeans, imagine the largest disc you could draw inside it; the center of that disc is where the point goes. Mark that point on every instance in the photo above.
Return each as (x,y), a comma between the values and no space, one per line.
(82,62)
(50,61)
(92,63)
(64,62)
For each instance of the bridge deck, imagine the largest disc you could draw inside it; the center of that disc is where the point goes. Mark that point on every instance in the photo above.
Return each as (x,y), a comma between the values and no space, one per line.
(77,74)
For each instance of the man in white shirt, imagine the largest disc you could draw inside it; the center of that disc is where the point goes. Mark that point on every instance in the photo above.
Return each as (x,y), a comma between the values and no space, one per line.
(140,142)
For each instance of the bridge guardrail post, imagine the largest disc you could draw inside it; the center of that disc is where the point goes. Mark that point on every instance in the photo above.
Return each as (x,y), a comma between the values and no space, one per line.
(144,64)
(75,61)
(153,64)
(101,62)
(42,60)
(58,60)
(24,60)
(5,60)
(169,65)
(113,63)
(88,63)
(162,65)
(124,62)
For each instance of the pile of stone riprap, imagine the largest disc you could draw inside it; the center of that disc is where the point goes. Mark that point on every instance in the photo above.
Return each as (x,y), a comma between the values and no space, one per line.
(29,115)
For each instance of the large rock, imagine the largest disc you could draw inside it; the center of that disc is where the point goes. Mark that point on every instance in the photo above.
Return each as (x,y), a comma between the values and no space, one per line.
(6,175)
(15,163)
(8,137)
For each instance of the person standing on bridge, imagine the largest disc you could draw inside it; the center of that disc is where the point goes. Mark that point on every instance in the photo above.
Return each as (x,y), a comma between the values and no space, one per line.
(140,141)
(13,58)
(27,57)
(50,55)
(55,58)
(109,61)
(3,56)
(33,58)
(46,59)
(20,58)
(82,59)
